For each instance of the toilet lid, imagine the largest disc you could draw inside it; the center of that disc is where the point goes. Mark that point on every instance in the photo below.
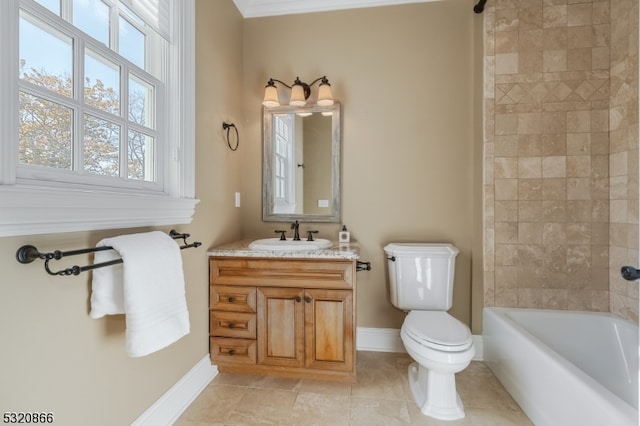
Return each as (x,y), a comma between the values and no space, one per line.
(438,330)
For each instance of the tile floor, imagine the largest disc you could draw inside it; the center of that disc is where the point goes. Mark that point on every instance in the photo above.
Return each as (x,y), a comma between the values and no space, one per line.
(381,397)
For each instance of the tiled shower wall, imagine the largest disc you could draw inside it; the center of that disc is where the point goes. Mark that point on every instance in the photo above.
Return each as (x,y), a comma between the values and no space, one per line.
(623,156)
(561,156)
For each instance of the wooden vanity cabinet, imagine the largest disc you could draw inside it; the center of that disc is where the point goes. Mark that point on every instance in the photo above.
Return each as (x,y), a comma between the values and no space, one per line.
(288,317)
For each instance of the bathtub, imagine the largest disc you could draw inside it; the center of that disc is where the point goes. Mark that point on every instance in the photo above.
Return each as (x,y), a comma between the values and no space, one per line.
(563,367)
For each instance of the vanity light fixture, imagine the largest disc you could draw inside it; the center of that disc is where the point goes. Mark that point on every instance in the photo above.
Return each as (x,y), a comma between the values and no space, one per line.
(300,92)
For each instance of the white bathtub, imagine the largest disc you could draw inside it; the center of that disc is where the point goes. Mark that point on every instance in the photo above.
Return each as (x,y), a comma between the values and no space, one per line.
(565,368)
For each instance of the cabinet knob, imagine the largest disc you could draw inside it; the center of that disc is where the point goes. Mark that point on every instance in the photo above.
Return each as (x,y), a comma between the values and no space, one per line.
(231,299)
(307,299)
(231,325)
(298,299)
(231,352)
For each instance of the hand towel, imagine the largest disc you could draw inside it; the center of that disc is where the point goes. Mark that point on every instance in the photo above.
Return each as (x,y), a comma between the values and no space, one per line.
(148,287)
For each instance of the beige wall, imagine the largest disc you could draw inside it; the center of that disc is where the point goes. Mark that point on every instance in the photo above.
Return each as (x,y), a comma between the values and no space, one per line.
(404,76)
(53,356)
(561,165)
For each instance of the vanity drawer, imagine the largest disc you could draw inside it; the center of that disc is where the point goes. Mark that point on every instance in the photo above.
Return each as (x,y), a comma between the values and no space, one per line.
(238,351)
(306,273)
(232,324)
(232,298)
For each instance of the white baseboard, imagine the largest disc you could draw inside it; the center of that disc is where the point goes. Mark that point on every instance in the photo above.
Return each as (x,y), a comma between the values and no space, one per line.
(167,409)
(379,340)
(477,342)
(388,340)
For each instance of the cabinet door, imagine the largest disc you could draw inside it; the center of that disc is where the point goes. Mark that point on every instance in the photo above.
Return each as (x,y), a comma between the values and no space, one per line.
(329,319)
(281,326)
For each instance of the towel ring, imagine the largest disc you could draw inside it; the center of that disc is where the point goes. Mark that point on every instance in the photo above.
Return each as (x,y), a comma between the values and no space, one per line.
(227,126)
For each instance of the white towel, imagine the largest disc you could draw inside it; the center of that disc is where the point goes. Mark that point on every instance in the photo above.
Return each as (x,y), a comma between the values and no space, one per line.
(148,287)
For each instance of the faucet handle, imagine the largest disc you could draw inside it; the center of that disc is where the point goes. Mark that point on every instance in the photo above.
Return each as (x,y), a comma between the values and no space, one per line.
(282,235)
(310,235)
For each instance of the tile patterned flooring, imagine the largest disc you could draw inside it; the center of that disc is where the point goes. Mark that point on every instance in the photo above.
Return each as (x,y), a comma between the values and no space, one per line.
(380,397)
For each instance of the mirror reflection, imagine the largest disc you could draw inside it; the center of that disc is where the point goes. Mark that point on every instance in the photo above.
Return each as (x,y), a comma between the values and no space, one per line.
(301,164)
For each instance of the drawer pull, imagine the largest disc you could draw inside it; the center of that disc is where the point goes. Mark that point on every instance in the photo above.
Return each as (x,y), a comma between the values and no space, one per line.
(307,299)
(231,325)
(231,352)
(231,299)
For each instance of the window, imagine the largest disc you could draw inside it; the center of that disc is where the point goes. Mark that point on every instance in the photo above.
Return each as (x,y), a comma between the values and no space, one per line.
(284,164)
(98,132)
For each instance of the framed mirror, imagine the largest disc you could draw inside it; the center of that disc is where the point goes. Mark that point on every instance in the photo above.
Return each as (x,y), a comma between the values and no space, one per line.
(301,164)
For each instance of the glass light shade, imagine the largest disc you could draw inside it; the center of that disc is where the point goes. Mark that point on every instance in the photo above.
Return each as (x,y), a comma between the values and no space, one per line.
(271,97)
(325,98)
(297,96)
(304,114)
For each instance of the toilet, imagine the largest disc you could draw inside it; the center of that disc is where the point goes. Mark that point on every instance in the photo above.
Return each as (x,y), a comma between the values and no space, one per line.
(421,282)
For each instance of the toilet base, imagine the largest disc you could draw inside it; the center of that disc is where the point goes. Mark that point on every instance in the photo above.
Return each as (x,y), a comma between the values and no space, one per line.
(435,393)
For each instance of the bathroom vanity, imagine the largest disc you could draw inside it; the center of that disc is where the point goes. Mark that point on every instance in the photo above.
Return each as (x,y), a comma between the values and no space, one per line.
(283,312)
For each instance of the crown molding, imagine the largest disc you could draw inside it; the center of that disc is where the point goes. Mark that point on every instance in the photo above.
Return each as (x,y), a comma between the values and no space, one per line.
(260,8)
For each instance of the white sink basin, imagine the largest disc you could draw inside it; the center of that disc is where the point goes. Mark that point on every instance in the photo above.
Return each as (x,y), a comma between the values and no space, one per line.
(289,245)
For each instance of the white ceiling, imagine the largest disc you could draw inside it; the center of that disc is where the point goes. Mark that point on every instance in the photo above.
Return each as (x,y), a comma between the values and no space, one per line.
(257,8)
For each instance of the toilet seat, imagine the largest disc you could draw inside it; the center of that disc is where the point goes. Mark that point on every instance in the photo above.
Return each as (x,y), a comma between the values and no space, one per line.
(437,330)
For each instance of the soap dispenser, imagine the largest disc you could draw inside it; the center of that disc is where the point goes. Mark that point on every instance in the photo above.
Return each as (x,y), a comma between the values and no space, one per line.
(344,236)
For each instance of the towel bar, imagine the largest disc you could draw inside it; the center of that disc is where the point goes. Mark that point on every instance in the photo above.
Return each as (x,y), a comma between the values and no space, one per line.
(28,253)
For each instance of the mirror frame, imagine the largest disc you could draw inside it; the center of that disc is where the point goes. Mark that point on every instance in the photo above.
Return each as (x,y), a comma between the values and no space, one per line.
(268,172)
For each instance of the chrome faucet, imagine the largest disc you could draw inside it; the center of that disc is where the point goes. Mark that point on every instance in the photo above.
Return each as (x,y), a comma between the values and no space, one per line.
(296,232)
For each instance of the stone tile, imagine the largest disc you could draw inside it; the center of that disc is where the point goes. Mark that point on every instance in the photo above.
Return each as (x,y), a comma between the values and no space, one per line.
(263,406)
(320,409)
(579,14)
(554,60)
(554,16)
(325,387)
(382,382)
(506,63)
(477,375)
(530,189)
(214,404)
(554,167)
(382,412)
(530,167)
(316,402)
(506,189)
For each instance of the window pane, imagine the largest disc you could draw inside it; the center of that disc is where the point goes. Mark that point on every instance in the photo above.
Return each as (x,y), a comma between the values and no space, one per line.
(131,42)
(133,16)
(101,83)
(101,146)
(45,56)
(142,150)
(92,17)
(45,133)
(52,5)
(141,102)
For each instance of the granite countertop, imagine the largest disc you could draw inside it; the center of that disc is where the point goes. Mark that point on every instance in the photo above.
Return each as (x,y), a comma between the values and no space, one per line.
(241,249)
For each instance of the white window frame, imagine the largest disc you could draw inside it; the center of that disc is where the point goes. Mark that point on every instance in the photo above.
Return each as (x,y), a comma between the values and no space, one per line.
(32,209)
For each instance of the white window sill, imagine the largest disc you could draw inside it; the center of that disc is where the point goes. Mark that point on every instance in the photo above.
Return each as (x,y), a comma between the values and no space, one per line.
(32,210)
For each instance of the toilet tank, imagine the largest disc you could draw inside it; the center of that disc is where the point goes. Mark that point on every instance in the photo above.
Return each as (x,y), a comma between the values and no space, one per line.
(421,275)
